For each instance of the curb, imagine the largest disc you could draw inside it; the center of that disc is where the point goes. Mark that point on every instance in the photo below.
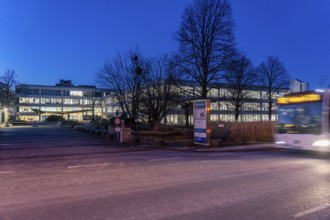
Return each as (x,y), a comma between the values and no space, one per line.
(234,148)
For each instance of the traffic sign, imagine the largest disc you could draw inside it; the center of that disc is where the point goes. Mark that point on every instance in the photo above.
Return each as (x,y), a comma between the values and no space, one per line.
(117,120)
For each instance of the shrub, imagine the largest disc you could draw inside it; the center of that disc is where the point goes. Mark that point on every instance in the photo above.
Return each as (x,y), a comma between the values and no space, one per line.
(54,118)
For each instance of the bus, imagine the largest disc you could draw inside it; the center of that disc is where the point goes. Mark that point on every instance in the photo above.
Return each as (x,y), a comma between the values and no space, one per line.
(303,121)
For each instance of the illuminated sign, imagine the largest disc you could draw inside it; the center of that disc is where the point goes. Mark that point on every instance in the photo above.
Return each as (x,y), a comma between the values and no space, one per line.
(202,132)
(299,98)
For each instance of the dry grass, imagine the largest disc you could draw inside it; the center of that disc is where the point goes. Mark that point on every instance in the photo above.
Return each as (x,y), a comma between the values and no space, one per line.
(238,132)
(245,131)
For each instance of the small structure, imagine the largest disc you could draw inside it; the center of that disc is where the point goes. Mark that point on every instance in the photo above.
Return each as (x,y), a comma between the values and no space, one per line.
(297,85)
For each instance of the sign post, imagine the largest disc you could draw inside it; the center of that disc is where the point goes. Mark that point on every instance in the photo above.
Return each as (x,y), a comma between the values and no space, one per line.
(117,128)
(202,131)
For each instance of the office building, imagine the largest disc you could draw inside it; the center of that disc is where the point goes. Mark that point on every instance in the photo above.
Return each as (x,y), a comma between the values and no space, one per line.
(37,102)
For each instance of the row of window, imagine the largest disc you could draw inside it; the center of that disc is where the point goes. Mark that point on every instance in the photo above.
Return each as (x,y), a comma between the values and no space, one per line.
(179,119)
(223,92)
(247,106)
(53,92)
(78,117)
(24,100)
(53,109)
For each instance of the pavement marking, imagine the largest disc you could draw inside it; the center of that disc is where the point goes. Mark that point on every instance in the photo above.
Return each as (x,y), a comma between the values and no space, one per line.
(6,172)
(36,178)
(104,171)
(89,165)
(167,165)
(247,172)
(312,210)
(162,159)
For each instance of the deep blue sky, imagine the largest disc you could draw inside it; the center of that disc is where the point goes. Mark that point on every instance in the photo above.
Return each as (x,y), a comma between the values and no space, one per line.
(48,40)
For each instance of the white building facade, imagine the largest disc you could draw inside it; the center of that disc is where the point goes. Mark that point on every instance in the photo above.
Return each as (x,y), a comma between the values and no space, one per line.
(79,103)
(37,102)
(254,107)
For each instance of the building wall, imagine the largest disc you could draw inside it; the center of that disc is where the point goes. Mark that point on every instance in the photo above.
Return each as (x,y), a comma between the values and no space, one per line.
(65,97)
(60,99)
(254,106)
(298,86)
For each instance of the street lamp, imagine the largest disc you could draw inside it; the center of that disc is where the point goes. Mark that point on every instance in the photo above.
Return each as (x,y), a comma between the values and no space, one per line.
(138,72)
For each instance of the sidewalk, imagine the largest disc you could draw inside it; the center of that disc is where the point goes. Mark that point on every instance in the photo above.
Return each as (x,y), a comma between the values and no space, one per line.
(201,148)
(233,148)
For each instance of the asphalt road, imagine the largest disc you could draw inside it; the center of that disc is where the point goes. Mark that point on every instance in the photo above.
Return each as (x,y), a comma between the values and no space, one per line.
(58,173)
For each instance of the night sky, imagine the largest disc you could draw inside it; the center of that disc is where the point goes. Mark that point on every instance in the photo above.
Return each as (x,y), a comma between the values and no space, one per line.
(48,40)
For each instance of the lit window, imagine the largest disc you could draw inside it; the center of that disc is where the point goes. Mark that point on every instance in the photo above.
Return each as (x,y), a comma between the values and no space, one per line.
(76,93)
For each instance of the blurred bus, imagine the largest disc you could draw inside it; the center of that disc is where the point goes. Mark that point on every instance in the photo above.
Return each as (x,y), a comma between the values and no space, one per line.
(303,120)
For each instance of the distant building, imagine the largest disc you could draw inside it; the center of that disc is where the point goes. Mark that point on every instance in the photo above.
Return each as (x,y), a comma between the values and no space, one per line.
(37,102)
(254,106)
(298,86)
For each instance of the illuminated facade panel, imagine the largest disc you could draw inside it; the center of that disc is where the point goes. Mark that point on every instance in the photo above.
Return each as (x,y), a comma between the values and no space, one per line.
(63,98)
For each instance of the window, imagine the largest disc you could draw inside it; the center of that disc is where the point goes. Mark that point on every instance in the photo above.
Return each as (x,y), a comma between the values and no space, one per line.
(29,100)
(223,93)
(27,108)
(66,93)
(24,91)
(252,94)
(214,93)
(214,105)
(85,102)
(214,117)
(172,119)
(71,101)
(251,106)
(224,117)
(226,106)
(65,109)
(51,101)
(76,93)
(50,92)
(51,109)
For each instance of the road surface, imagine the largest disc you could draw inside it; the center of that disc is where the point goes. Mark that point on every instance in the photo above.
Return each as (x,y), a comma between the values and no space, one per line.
(58,173)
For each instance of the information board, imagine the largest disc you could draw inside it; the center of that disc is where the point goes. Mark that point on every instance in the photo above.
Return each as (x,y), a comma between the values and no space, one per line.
(202,131)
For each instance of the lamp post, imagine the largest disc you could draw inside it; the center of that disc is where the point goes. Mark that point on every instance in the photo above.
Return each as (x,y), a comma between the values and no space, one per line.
(138,72)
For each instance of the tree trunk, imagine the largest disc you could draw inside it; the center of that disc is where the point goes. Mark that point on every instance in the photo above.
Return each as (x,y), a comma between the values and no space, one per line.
(187,118)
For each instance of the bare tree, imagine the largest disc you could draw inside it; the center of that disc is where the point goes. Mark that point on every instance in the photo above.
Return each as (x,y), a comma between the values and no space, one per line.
(158,94)
(94,101)
(188,108)
(143,87)
(274,77)
(240,77)
(120,75)
(206,40)
(8,97)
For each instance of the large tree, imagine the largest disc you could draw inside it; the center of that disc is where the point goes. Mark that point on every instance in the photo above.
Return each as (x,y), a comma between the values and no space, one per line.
(274,77)
(158,94)
(240,77)
(8,97)
(143,87)
(205,42)
(122,75)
